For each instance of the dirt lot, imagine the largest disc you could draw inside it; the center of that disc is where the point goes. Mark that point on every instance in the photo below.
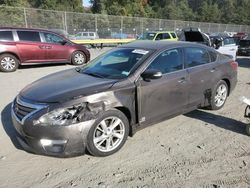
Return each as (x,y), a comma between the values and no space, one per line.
(199,149)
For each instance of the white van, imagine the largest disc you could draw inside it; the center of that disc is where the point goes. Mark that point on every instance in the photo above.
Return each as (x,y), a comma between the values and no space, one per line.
(86,36)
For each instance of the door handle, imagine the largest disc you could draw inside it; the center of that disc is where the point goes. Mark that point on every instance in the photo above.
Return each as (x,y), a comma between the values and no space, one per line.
(213,70)
(48,47)
(42,46)
(182,80)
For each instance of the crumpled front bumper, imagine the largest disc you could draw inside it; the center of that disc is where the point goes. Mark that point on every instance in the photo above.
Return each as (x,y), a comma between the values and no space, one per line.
(60,141)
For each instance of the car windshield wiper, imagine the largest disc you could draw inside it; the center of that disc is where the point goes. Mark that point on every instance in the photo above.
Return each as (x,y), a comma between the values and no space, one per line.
(93,74)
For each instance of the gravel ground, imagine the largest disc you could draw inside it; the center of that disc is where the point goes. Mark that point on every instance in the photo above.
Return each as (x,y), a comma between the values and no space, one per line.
(199,149)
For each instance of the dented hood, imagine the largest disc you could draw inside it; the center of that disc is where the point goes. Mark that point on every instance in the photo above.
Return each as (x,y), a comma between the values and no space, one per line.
(65,85)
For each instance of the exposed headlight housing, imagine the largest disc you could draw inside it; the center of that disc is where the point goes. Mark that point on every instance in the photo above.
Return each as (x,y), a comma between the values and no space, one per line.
(61,116)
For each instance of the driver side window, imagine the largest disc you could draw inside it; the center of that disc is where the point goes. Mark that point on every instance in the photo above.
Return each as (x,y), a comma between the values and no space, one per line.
(168,61)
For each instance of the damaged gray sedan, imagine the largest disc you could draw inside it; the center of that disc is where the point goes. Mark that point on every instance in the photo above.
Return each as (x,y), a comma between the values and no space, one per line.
(96,107)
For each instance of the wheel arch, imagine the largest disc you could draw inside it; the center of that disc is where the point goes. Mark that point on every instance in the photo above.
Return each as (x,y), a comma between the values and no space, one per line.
(127,113)
(228,85)
(14,54)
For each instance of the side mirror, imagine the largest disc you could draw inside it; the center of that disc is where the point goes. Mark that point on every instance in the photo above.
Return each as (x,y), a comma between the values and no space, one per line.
(63,42)
(151,74)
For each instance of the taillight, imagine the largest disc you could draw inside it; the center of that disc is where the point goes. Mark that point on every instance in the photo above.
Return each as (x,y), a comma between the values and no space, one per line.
(234,65)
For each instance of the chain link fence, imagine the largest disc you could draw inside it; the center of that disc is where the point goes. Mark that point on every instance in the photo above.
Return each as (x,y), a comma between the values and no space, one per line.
(107,26)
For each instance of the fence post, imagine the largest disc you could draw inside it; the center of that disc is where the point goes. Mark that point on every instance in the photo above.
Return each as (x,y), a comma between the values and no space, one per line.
(25,17)
(65,22)
(121,25)
(96,29)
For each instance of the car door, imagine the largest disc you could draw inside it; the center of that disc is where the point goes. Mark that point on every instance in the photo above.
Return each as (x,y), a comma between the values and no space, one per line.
(202,72)
(30,47)
(57,48)
(167,96)
(228,47)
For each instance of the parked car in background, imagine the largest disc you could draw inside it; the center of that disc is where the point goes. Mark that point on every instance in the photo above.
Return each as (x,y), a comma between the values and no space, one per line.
(85,36)
(225,45)
(21,46)
(159,35)
(133,86)
(194,35)
(244,47)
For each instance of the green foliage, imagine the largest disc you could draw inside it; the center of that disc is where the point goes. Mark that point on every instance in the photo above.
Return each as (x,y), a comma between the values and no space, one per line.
(218,11)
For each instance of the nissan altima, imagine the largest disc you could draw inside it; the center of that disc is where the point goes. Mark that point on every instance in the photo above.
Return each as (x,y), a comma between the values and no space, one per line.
(96,107)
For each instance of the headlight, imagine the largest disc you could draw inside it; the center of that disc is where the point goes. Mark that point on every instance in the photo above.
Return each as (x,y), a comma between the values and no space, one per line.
(61,116)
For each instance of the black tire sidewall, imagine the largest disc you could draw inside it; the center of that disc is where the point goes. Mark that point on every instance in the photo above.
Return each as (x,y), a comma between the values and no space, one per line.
(73,58)
(213,105)
(248,129)
(90,144)
(11,56)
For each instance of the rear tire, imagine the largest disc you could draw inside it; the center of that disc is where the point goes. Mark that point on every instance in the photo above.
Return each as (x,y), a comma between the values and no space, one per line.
(219,95)
(78,58)
(108,134)
(8,63)
(248,129)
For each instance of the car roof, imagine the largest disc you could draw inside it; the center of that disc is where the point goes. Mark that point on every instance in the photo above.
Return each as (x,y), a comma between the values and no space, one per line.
(160,32)
(29,29)
(158,45)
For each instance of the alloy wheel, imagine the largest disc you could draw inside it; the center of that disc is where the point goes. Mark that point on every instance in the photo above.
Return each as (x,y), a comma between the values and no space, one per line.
(8,63)
(109,134)
(79,58)
(221,95)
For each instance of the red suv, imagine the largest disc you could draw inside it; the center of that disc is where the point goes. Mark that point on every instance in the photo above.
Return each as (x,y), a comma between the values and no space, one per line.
(20,46)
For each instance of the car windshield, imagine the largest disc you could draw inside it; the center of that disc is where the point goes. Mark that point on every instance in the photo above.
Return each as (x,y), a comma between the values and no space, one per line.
(245,43)
(116,64)
(147,36)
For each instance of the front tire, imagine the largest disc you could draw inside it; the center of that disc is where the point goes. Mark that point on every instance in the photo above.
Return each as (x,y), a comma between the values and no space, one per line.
(78,58)
(219,95)
(108,134)
(8,63)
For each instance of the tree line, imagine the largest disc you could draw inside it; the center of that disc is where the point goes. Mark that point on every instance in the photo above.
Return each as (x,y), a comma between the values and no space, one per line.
(217,11)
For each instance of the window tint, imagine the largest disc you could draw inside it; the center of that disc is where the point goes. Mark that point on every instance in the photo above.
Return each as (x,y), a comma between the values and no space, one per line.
(173,35)
(159,37)
(6,36)
(51,38)
(166,36)
(213,56)
(91,34)
(229,41)
(168,61)
(196,56)
(29,36)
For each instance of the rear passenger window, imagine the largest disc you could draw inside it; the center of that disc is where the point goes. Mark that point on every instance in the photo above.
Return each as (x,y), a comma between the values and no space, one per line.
(213,56)
(29,36)
(6,36)
(166,36)
(173,35)
(168,61)
(196,56)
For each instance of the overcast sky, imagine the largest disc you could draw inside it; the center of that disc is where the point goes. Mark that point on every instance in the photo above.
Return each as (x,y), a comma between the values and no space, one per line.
(86,3)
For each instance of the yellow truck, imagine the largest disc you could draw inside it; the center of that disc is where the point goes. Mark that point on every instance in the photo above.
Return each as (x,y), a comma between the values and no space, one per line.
(159,35)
